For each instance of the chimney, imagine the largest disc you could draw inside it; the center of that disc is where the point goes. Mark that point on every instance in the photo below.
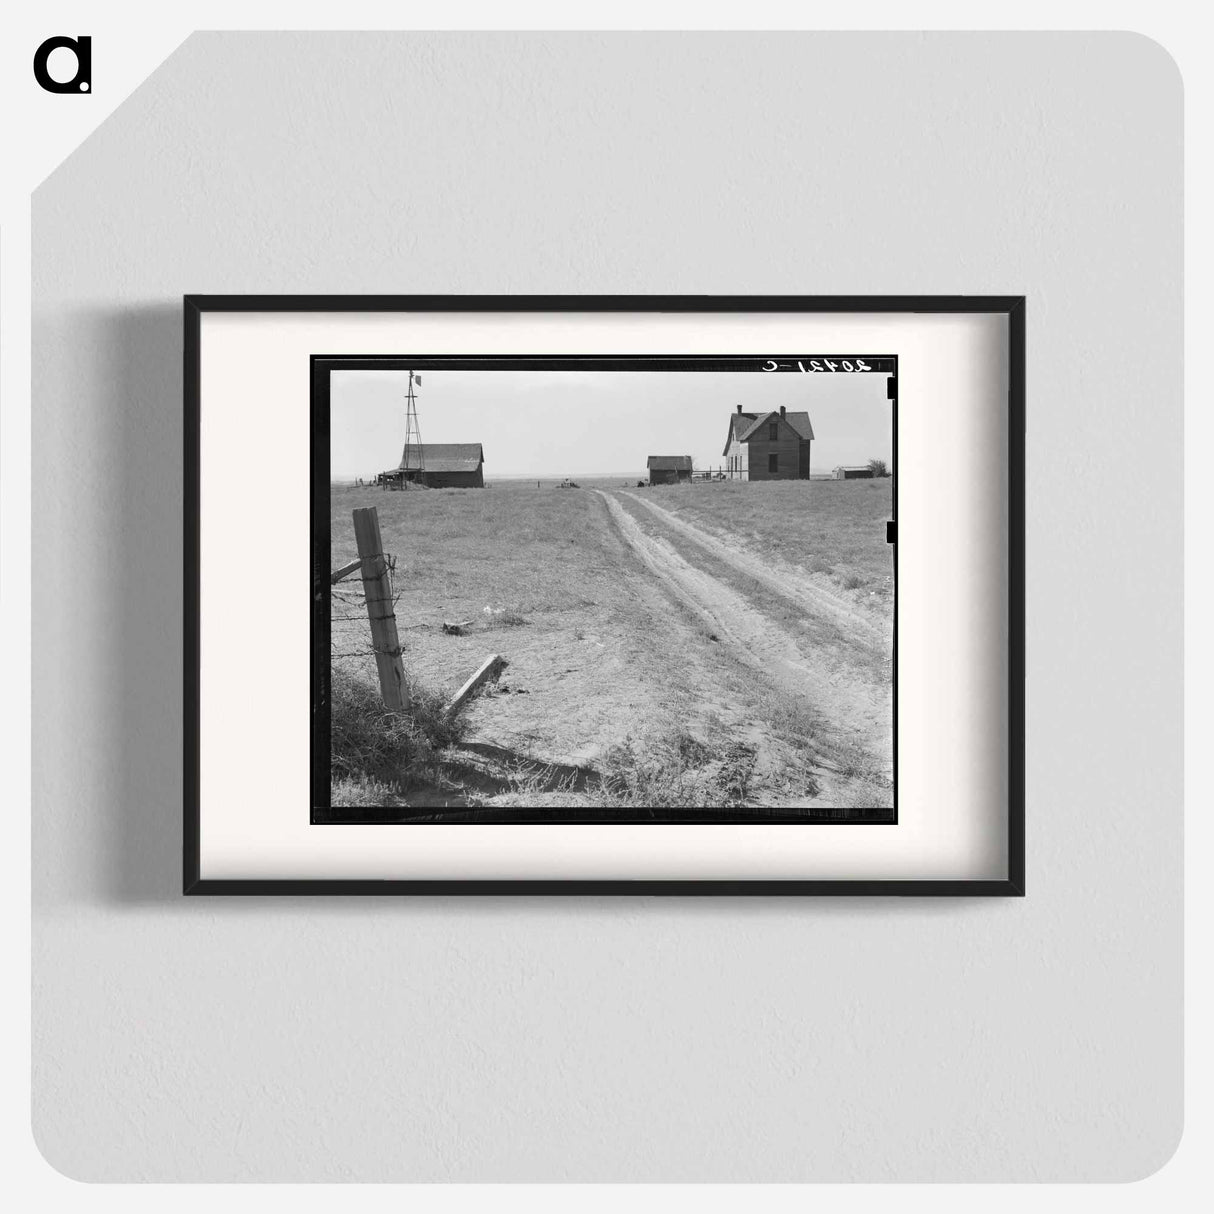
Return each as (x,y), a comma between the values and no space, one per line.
(783,410)
(739,408)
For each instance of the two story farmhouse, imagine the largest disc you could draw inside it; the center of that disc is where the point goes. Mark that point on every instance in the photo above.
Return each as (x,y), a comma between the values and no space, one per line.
(768,446)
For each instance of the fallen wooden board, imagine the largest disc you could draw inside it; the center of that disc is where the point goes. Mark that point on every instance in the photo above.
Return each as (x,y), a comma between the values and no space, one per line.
(345,571)
(457,628)
(490,668)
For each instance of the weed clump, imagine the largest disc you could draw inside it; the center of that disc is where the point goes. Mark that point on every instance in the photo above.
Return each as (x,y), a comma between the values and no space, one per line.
(675,772)
(373,747)
(504,617)
(348,792)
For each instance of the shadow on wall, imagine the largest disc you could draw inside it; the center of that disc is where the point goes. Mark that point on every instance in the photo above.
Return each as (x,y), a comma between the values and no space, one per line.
(108,646)
(107,660)
(144,854)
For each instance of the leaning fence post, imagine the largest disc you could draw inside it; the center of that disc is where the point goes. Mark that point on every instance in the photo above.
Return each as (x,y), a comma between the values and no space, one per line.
(377,590)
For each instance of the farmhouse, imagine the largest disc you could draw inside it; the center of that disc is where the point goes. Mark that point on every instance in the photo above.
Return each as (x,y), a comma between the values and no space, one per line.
(440,466)
(769,446)
(669,469)
(853,472)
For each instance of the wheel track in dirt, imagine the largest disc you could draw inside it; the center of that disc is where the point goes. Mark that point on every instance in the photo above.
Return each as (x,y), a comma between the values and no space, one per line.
(850,704)
(783,580)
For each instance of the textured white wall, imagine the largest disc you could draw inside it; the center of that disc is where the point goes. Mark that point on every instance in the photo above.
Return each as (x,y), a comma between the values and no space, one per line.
(626,1039)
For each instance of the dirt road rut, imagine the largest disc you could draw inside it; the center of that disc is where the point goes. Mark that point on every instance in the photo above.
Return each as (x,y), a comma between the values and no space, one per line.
(852,705)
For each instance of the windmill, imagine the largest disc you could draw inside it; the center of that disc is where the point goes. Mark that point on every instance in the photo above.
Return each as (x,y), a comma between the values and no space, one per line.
(412,460)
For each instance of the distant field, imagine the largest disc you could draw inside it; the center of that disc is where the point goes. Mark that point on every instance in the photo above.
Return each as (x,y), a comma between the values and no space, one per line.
(708,645)
(821,526)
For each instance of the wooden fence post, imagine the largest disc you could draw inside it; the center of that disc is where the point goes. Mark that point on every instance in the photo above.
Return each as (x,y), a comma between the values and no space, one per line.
(377,590)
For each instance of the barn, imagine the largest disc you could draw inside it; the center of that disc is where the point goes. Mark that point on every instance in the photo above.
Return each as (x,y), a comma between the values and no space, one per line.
(770,446)
(853,472)
(441,466)
(669,469)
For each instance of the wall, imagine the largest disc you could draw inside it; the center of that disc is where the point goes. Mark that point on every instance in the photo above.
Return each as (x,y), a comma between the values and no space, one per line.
(626,1039)
(456,480)
(786,449)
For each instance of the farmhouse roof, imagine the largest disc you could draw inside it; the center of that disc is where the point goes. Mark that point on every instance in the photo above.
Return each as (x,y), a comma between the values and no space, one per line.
(798,421)
(670,463)
(446,457)
(738,422)
(744,426)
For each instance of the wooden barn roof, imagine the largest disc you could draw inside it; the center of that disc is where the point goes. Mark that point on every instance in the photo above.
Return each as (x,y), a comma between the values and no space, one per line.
(670,463)
(448,457)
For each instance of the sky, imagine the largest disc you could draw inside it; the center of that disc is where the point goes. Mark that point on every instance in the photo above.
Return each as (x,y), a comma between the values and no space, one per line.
(582,423)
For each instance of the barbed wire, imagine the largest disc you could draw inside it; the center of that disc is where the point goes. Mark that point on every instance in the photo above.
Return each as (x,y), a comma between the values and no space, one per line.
(346,598)
(369,652)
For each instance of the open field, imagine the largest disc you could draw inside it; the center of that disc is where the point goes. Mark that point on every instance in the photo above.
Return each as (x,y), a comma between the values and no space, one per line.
(715,645)
(820,526)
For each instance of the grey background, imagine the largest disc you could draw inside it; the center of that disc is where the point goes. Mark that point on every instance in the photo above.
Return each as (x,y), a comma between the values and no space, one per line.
(628,1039)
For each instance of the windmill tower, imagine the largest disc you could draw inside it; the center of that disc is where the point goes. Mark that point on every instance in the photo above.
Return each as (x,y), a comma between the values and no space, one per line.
(412,460)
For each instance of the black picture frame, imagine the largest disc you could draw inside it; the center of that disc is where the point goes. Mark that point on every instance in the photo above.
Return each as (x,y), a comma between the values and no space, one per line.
(1011,307)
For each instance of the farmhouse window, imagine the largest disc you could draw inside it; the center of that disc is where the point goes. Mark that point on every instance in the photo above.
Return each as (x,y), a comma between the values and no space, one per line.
(773,433)
(771,462)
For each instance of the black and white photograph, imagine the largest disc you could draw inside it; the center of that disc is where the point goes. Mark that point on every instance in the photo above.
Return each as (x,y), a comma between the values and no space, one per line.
(604,589)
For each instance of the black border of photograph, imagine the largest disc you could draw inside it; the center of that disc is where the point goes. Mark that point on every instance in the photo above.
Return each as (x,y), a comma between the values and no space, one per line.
(323,366)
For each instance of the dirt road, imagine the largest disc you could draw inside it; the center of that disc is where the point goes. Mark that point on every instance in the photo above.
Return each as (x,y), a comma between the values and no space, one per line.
(834,678)
(781,578)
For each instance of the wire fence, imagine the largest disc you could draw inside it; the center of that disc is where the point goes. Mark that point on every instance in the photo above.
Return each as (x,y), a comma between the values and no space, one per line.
(348,605)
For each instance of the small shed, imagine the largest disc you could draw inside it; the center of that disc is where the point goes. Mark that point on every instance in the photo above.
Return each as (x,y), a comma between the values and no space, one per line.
(669,469)
(853,472)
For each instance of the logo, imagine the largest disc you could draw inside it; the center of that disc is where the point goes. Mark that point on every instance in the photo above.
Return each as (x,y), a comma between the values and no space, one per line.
(82,48)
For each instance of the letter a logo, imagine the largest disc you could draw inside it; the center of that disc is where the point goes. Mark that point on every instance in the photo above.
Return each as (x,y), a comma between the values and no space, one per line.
(82,81)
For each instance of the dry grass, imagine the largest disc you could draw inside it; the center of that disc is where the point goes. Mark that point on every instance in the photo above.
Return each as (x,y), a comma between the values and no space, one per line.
(617,683)
(833,527)
(376,752)
(466,548)
(674,771)
(349,793)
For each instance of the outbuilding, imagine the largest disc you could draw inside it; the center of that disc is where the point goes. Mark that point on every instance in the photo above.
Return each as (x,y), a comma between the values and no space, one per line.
(440,466)
(669,469)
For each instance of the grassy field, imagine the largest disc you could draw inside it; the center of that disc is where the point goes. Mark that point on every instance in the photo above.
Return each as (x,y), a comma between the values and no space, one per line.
(716,645)
(822,526)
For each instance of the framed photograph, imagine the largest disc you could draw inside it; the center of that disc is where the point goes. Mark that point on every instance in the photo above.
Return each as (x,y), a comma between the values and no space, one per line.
(621,594)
